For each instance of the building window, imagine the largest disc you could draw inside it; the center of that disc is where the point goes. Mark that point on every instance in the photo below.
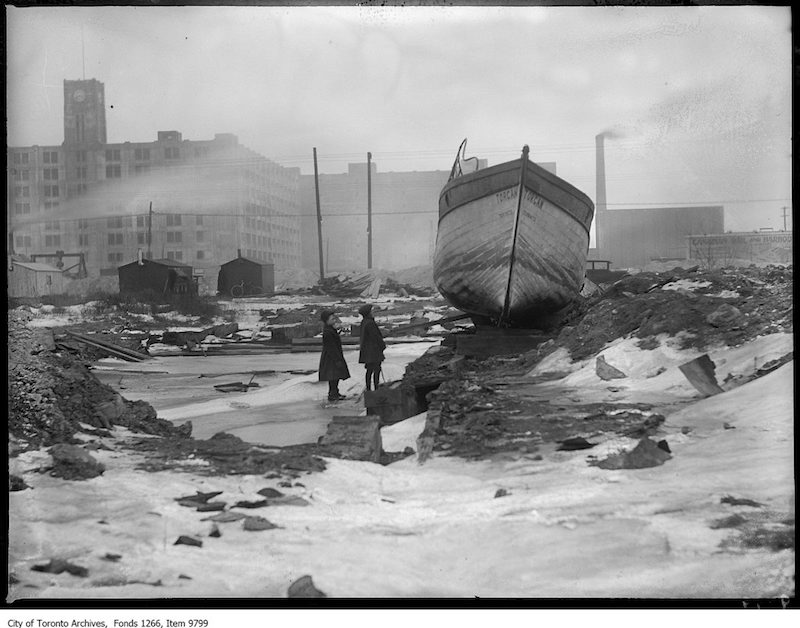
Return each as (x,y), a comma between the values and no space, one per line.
(22,208)
(22,175)
(51,174)
(198,220)
(21,158)
(138,169)
(83,223)
(80,156)
(115,257)
(113,155)
(23,241)
(173,220)
(50,157)
(50,205)
(83,239)
(200,236)
(52,240)
(176,255)
(115,238)
(113,172)
(201,255)
(172,152)
(174,236)
(114,223)
(81,188)
(52,225)
(81,172)
(140,221)
(141,154)
(140,238)
(22,190)
(51,191)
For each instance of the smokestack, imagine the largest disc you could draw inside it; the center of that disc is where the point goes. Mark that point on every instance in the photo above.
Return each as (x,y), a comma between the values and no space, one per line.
(600,195)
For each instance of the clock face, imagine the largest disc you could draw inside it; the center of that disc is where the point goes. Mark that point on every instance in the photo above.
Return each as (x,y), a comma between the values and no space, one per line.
(79,95)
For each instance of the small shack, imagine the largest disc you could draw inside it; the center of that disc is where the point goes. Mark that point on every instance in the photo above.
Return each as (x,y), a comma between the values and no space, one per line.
(34,279)
(163,276)
(243,276)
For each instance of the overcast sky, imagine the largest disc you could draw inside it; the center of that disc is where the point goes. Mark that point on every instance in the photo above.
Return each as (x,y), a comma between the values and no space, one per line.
(698,98)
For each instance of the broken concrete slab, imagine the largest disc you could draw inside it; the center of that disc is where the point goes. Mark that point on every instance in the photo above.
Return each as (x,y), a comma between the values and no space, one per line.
(701,374)
(605,371)
(353,438)
(256,524)
(58,565)
(188,540)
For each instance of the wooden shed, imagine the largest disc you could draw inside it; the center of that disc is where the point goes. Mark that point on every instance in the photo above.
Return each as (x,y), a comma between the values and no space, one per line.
(34,279)
(243,276)
(163,276)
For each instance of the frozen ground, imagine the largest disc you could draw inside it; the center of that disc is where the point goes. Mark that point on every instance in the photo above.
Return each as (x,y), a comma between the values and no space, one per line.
(565,529)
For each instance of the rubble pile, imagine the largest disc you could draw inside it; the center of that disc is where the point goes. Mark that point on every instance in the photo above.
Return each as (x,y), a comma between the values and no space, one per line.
(728,306)
(52,392)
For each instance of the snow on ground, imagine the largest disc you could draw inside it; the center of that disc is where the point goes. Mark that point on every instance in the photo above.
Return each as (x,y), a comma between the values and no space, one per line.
(685,284)
(653,374)
(566,529)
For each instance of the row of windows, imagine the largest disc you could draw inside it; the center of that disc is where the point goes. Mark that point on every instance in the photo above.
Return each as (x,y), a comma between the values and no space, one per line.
(178,255)
(24,191)
(25,208)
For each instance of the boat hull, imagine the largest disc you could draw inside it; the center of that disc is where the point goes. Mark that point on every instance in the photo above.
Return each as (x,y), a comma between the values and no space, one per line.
(473,266)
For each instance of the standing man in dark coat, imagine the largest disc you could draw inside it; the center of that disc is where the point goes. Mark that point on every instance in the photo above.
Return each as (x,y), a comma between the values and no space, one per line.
(332,366)
(372,346)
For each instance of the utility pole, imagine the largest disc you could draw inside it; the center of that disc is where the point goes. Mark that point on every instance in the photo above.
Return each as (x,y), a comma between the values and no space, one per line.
(784,217)
(319,217)
(369,210)
(150,231)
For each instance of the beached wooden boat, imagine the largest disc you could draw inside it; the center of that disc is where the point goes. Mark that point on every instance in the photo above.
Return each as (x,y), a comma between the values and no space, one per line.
(512,241)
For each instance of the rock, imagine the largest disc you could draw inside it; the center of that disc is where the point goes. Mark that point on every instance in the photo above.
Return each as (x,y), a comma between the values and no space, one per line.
(686,429)
(662,444)
(289,500)
(728,426)
(16,483)
(73,463)
(645,454)
(111,557)
(215,533)
(574,444)
(184,430)
(605,371)
(211,506)
(187,540)
(183,576)
(256,504)
(256,524)
(224,517)
(270,492)
(501,492)
(304,587)
(200,498)
(724,316)
(57,565)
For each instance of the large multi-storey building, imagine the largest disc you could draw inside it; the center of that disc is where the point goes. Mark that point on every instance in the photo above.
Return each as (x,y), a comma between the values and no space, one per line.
(194,201)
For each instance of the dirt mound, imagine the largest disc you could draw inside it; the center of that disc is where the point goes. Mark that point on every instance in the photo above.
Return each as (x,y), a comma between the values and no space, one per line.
(51,392)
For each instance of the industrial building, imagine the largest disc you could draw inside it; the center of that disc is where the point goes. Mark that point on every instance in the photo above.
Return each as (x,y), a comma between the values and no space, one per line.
(405,217)
(631,238)
(191,201)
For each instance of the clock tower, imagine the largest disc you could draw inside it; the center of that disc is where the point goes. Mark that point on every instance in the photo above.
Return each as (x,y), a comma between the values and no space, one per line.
(84,114)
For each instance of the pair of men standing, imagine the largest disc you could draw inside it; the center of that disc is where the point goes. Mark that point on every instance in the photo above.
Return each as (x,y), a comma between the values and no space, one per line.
(332,365)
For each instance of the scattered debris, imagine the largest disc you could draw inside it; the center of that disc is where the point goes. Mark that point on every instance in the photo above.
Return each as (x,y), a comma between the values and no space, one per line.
(501,492)
(58,565)
(113,558)
(728,426)
(225,517)
(16,483)
(188,540)
(353,438)
(732,521)
(738,501)
(645,454)
(254,504)
(74,463)
(663,444)
(256,524)
(211,506)
(215,533)
(270,492)
(605,371)
(304,587)
(574,444)
(725,315)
